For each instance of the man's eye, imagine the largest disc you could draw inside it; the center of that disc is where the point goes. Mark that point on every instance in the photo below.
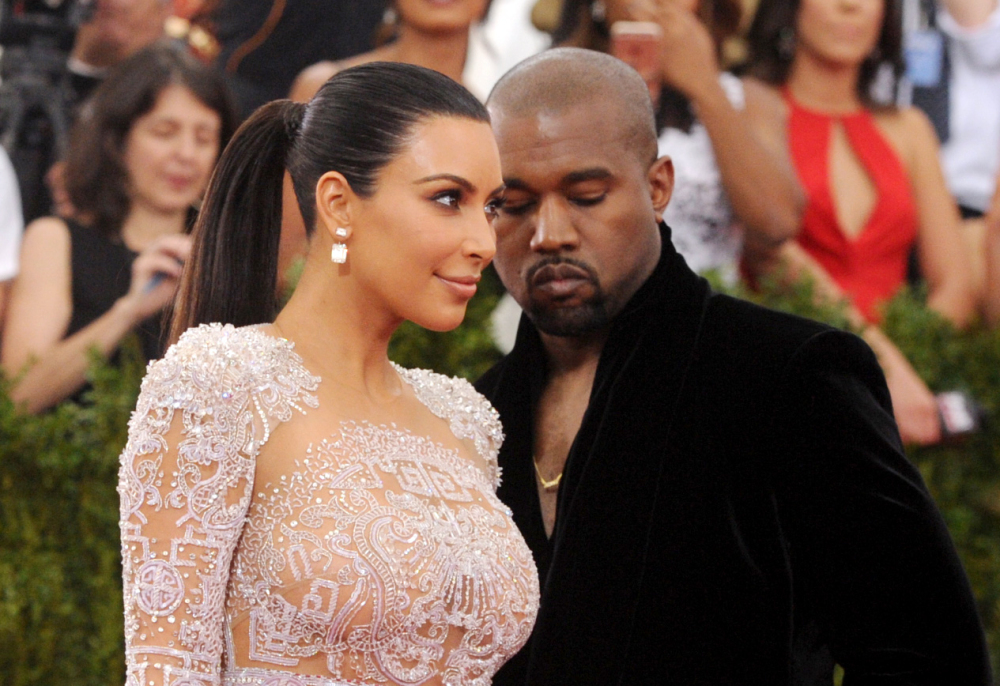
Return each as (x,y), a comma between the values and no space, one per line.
(515,208)
(450,198)
(588,200)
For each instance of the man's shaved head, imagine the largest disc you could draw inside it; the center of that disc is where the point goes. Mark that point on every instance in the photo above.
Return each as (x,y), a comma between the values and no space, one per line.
(563,78)
(577,232)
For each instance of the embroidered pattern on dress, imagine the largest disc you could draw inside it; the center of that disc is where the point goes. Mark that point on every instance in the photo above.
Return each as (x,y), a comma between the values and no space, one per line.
(409,566)
(222,389)
(383,554)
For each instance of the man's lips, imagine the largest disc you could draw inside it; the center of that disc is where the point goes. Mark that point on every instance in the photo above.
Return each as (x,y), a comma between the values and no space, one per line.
(558,280)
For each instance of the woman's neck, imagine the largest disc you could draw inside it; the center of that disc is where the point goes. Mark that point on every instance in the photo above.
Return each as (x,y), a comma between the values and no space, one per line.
(822,86)
(337,331)
(143,225)
(443,52)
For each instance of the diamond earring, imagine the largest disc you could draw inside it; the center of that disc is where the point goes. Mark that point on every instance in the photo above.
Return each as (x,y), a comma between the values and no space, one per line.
(338,255)
(341,232)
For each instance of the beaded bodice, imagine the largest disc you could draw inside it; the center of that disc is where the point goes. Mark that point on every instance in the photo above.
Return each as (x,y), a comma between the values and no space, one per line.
(376,556)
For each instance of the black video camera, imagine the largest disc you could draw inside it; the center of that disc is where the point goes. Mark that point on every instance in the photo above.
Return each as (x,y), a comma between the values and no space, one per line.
(49,22)
(36,97)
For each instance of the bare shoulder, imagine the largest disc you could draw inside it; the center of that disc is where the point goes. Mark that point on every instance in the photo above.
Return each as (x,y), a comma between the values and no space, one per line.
(45,246)
(47,230)
(910,132)
(312,78)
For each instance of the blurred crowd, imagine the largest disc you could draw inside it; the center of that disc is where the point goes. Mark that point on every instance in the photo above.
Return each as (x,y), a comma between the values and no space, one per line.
(856,142)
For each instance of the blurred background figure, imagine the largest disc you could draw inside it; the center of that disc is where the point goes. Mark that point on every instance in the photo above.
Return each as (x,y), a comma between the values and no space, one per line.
(953,65)
(473,41)
(419,32)
(11,226)
(733,179)
(266,43)
(114,30)
(140,157)
(871,174)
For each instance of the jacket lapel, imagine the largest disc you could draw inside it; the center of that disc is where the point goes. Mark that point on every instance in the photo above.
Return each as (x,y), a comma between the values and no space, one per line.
(612,479)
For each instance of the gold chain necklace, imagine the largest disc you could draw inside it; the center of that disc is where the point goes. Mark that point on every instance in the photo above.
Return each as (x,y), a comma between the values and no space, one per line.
(547,485)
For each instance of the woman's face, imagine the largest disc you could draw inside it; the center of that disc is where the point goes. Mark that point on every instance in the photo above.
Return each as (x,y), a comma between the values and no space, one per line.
(419,244)
(170,151)
(440,15)
(840,32)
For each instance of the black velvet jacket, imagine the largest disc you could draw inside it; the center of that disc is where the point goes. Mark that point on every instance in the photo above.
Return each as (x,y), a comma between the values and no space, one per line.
(736,509)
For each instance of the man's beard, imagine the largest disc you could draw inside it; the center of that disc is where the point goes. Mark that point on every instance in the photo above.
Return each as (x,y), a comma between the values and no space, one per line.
(579,320)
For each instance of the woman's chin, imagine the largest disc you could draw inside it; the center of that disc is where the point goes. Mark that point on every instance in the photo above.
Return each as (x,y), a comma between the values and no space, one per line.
(446,319)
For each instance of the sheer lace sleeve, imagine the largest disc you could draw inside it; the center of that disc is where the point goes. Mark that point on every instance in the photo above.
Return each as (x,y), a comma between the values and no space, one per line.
(185,484)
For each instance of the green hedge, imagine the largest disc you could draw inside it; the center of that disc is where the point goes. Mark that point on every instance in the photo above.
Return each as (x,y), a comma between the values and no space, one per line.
(60,588)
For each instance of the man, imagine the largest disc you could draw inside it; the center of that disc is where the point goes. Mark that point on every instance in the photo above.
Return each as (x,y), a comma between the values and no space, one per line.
(714,493)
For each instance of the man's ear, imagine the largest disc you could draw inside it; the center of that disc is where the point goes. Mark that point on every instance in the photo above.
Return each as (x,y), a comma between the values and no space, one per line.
(334,200)
(661,184)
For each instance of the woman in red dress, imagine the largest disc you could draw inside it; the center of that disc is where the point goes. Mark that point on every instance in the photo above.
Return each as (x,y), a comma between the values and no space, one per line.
(871,174)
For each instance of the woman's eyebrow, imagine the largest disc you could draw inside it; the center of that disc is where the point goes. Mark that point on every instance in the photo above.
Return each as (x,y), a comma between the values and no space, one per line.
(464,183)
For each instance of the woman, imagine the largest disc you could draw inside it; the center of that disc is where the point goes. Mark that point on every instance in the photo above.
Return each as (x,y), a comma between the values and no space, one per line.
(733,180)
(871,174)
(139,160)
(295,508)
(429,34)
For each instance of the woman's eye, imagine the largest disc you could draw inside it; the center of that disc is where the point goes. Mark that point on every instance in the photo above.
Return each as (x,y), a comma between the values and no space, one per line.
(450,199)
(493,207)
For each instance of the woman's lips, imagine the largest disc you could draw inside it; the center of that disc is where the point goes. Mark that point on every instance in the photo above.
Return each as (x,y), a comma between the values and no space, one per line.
(462,286)
(180,183)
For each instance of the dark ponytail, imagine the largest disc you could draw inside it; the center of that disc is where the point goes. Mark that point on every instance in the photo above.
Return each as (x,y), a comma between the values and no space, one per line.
(358,122)
(232,274)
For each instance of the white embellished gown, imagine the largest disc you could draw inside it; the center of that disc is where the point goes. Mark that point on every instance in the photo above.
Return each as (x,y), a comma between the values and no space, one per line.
(377,557)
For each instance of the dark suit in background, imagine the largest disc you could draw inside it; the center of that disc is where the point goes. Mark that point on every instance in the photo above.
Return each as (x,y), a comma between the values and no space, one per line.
(266,43)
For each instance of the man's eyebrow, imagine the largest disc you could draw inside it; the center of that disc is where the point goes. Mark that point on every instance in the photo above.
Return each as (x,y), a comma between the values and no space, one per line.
(514,183)
(592,174)
(464,183)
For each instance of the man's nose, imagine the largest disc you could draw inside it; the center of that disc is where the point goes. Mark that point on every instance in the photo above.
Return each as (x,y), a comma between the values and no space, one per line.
(554,230)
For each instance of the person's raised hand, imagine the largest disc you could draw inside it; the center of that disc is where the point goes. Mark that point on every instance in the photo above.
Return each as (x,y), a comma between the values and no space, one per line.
(156,273)
(913,404)
(687,49)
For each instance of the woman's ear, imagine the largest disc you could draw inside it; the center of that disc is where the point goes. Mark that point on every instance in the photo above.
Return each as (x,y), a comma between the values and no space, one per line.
(334,201)
(661,184)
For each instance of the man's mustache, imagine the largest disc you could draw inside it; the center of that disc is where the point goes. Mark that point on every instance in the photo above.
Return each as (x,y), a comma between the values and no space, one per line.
(552,264)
